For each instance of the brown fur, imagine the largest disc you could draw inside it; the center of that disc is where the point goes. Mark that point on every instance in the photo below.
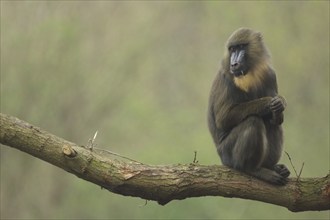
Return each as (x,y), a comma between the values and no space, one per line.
(246,126)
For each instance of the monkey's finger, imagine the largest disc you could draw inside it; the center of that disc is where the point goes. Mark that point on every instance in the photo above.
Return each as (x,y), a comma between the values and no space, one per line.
(282,170)
(276,105)
(283,100)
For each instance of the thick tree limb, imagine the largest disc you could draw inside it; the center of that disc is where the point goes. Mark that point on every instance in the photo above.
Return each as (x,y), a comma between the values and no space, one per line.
(160,183)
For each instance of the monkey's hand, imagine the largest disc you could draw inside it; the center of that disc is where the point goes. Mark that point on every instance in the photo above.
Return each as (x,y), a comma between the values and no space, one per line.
(277,106)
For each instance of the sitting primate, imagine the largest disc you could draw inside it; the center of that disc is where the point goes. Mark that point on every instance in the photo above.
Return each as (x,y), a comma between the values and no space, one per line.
(245,112)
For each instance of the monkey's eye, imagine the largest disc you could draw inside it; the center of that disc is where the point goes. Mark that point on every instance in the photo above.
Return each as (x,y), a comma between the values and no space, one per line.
(242,46)
(237,47)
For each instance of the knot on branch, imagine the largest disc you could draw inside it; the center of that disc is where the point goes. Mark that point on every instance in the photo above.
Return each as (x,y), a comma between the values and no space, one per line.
(68,151)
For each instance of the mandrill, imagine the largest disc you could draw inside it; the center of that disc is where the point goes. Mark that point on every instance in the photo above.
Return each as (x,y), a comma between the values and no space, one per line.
(245,112)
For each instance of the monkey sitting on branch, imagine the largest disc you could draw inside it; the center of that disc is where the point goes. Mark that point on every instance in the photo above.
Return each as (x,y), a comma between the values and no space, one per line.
(245,112)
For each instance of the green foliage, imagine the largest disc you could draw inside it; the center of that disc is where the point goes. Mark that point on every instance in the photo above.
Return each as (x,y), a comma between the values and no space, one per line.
(140,74)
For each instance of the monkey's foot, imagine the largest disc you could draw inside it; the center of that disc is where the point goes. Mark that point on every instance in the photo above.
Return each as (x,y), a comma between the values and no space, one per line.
(282,170)
(268,175)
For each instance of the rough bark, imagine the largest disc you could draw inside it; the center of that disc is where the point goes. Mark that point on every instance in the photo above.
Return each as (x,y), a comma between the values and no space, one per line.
(160,183)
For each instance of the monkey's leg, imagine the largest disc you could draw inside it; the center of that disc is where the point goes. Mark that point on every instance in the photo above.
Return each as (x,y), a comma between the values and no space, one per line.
(245,149)
(244,146)
(275,142)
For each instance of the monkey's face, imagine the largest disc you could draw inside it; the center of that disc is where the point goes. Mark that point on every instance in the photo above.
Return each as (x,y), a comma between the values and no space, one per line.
(238,59)
(245,51)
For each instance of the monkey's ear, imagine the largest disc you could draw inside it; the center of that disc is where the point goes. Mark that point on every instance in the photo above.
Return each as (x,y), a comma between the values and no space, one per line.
(259,36)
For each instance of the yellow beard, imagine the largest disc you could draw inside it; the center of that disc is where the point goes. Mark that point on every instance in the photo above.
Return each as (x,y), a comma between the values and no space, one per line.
(252,79)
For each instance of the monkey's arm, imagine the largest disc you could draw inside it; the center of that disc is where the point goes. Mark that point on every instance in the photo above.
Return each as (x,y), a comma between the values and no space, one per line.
(265,107)
(229,117)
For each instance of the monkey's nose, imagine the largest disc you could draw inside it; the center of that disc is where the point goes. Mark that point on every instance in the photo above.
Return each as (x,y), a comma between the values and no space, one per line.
(235,64)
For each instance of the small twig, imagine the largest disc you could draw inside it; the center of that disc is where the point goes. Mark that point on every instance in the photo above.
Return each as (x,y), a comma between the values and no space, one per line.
(302,166)
(297,175)
(294,169)
(91,142)
(195,157)
(92,146)
(115,154)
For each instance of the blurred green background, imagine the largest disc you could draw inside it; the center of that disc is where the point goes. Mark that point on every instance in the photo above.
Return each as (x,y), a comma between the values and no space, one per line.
(140,72)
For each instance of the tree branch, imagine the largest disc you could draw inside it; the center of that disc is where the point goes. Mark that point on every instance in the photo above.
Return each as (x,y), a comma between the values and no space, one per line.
(160,183)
